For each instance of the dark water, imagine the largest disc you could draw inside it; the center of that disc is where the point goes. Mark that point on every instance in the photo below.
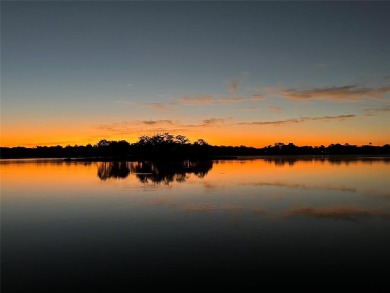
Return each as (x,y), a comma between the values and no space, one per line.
(306,224)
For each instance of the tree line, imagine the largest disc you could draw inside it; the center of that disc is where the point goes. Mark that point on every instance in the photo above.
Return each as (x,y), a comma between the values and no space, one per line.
(166,145)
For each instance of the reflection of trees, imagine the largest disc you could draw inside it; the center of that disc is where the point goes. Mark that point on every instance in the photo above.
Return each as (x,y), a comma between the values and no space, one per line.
(334,160)
(169,171)
(155,171)
(280,161)
(113,170)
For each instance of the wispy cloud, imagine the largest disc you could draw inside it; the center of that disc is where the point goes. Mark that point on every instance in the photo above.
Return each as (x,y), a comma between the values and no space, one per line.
(209,100)
(202,100)
(156,122)
(233,100)
(255,98)
(341,93)
(275,109)
(375,111)
(136,128)
(212,99)
(233,87)
(112,127)
(298,120)
(160,107)
(213,121)
(208,122)
(158,125)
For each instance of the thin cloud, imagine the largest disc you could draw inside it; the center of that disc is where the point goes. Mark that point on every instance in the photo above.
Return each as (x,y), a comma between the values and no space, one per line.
(275,109)
(233,87)
(375,111)
(124,102)
(299,120)
(202,100)
(342,93)
(160,107)
(234,100)
(210,99)
(212,121)
(208,122)
(156,122)
(127,127)
(256,98)
(108,127)
(158,125)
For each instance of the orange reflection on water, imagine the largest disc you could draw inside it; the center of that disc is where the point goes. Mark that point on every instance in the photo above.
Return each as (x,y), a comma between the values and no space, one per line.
(264,186)
(49,171)
(302,172)
(45,178)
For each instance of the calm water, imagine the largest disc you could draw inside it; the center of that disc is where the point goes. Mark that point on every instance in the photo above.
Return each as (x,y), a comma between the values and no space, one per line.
(304,222)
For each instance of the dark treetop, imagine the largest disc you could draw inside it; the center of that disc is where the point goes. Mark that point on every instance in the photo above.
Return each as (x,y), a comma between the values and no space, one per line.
(167,146)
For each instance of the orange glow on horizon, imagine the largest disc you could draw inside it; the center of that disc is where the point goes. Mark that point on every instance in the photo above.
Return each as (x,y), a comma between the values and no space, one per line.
(217,139)
(314,134)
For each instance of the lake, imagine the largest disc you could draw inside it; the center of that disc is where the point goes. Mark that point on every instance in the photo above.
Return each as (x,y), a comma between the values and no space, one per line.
(315,223)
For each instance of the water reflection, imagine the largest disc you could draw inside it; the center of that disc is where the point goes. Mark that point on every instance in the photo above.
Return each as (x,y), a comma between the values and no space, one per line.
(301,186)
(170,171)
(108,170)
(248,221)
(337,160)
(155,171)
(295,219)
(349,213)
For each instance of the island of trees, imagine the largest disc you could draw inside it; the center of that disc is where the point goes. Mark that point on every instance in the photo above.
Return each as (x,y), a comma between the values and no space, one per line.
(168,146)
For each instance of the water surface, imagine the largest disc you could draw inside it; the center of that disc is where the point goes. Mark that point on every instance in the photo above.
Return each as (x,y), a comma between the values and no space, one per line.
(269,221)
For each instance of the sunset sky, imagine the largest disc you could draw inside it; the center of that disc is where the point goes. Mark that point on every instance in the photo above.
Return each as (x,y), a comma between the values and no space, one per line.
(230,72)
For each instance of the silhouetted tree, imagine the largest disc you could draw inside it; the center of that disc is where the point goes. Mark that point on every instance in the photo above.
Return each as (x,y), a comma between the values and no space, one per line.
(168,146)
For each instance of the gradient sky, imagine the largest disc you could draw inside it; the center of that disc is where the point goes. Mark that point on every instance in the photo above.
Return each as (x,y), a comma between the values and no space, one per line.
(232,73)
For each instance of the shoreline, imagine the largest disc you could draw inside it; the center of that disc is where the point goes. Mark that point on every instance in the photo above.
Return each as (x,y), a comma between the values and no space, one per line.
(214,158)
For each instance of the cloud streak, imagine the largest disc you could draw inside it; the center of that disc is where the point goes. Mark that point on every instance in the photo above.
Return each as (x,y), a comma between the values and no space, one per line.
(341,93)
(210,100)
(233,87)
(156,122)
(208,123)
(160,125)
(298,120)
(275,109)
(202,100)
(375,111)
(160,107)
(236,100)
(213,121)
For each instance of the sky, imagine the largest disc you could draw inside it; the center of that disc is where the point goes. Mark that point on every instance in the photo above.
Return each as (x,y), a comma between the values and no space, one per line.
(229,72)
